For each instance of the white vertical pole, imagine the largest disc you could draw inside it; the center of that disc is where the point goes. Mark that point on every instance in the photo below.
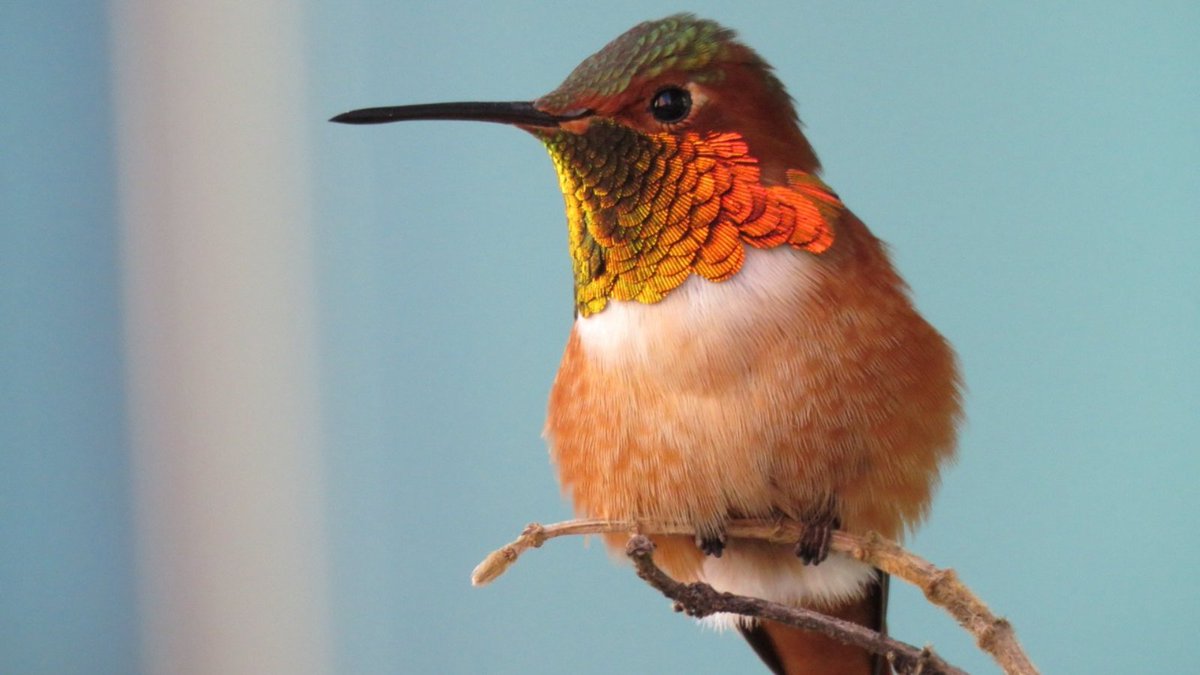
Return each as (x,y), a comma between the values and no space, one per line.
(220,346)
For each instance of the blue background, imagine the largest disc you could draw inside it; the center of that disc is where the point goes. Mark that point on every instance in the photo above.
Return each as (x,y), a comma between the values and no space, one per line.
(1033,165)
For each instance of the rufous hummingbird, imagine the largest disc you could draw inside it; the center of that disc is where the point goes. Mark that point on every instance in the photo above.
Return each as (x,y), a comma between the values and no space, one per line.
(743,347)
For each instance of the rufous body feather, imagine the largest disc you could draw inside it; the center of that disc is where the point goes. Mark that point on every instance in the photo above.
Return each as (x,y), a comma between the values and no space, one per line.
(804,382)
(743,347)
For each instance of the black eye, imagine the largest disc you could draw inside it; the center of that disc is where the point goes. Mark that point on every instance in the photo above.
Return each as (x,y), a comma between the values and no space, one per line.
(671,105)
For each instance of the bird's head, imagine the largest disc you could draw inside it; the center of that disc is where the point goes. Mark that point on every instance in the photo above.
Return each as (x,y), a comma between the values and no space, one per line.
(675,146)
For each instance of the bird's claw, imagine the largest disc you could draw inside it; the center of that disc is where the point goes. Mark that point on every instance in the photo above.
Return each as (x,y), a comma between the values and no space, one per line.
(710,544)
(813,547)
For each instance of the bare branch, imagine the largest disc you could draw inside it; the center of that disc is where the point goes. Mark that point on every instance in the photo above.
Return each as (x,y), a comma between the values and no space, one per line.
(941,587)
(700,600)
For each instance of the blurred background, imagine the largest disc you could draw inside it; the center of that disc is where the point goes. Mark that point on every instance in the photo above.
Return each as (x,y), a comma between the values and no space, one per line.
(271,387)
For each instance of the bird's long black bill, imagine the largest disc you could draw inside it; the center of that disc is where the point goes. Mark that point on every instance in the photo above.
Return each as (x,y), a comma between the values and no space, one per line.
(514,112)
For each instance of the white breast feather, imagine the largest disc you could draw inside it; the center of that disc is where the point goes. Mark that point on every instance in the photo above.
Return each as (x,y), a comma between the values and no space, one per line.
(715,316)
(702,309)
(836,580)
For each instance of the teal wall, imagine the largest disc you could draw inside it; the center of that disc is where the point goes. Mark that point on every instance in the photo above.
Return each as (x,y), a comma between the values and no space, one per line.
(1033,166)
(66,546)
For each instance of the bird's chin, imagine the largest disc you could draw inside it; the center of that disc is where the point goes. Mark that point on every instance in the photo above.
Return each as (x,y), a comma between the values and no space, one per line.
(578,127)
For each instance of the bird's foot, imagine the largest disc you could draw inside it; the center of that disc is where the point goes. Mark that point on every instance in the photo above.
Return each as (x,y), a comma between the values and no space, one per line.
(813,547)
(712,544)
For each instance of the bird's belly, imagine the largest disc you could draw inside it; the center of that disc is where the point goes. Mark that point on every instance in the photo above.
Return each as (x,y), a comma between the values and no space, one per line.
(775,392)
(701,456)
(672,410)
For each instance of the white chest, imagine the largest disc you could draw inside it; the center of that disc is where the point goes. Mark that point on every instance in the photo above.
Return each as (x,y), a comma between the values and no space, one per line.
(688,368)
(704,317)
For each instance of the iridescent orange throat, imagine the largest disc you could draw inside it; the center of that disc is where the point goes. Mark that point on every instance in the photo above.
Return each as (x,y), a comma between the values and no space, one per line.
(645,211)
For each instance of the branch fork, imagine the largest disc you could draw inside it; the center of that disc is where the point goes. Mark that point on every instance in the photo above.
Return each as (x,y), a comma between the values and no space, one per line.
(942,587)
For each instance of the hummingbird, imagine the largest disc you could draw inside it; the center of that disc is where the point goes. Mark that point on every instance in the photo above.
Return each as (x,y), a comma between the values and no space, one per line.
(742,346)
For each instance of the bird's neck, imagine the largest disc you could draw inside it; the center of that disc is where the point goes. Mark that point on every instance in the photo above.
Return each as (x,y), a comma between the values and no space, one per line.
(647,212)
(703,329)
(705,333)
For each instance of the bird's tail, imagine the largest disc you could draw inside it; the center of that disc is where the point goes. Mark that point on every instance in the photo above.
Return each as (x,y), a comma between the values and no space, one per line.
(791,651)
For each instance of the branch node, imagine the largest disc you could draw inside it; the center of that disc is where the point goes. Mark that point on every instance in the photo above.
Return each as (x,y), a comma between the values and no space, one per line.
(941,586)
(993,633)
(639,547)
(535,533)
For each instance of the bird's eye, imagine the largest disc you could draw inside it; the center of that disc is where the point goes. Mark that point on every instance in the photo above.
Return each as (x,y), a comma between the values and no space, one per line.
(671,104)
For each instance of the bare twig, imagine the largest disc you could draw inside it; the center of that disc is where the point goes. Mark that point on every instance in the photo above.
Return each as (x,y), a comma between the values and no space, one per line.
(700,599)
(942,587)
